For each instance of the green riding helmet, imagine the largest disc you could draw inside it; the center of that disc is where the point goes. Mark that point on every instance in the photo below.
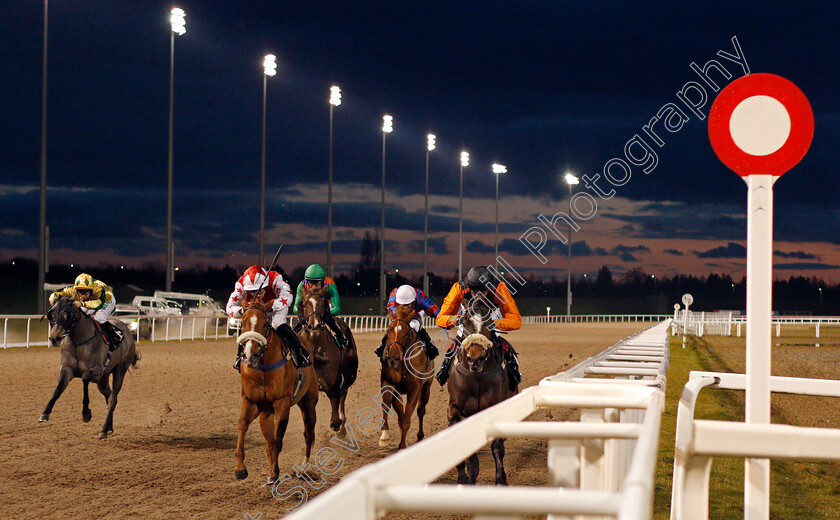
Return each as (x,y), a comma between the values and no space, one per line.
(314,273)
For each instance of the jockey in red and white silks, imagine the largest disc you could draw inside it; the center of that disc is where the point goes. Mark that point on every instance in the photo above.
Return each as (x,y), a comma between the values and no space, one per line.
(264,286)
(246,290)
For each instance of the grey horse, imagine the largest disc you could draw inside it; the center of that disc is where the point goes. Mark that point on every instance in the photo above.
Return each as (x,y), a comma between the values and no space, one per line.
(85,354)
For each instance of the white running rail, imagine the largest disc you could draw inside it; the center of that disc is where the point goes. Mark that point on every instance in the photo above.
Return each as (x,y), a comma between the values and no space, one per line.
(603,465)
(699,441)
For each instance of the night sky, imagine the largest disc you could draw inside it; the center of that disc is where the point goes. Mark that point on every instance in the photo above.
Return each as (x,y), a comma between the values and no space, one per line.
(543,87)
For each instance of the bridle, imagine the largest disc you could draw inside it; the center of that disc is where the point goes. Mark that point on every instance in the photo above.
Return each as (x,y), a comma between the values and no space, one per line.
(75,316)
(267,330)
(403,347)
(304,318)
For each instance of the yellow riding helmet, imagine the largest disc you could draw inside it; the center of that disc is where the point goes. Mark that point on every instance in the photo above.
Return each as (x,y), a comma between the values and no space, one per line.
(83,281)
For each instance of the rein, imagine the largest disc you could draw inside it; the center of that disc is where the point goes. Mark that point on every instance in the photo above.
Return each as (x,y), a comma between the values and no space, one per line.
(402,346)
(262,339)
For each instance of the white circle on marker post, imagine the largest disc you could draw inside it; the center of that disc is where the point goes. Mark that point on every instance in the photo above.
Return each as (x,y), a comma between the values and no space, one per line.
(760,125)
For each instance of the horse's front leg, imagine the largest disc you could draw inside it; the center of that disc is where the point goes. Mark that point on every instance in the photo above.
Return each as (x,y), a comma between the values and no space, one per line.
(498,447)
(85,403)
(455,416)
(119,377)
(335,401)
(405,420)
(65,374)
(247,413)
(267,428)
(425,389)
(387,396)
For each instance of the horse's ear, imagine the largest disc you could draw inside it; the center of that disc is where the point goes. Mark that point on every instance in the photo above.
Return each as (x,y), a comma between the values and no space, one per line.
(268,304)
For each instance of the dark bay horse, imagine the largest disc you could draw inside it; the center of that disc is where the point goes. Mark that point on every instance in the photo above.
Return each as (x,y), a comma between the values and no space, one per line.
(336,368)
(84,354)
(478,381)
(405,371)
(268,389)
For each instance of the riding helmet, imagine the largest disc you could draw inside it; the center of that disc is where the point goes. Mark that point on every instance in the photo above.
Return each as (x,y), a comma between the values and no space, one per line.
(478,277)
(254,278)
(84,282)
(406,294)
(314,273)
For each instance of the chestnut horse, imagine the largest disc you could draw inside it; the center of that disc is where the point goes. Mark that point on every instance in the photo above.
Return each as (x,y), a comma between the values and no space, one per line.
(268,389)
(84,354)
(336,367)
(478,381)
(407,371)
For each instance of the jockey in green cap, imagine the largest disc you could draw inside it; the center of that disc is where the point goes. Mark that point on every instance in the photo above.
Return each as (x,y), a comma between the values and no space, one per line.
(316,278)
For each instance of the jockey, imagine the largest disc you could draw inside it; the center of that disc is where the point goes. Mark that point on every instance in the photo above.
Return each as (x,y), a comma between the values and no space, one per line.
(506,317)
(95,299)
(406,295)
(257,284)
(316,278)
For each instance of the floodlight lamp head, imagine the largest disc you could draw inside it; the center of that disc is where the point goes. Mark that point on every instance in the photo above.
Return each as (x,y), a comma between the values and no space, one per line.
(465,159)
(335,96)
(178,20)
(387,124)
(430,142)
(270,64)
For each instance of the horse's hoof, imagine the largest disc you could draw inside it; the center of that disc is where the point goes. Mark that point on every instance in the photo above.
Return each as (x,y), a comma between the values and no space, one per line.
(271,481)
(85,417)
(335,425)
(241,475)
(103,435)
(383,443)
(421,436)
(501,481)
(464,479)
(44,417)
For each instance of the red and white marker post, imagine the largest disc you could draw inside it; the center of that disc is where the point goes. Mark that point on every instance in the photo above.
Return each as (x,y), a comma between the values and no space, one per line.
(760,126)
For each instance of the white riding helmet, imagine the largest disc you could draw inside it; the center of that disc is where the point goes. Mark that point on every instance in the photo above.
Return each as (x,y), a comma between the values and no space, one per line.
(254,278)
(406,294)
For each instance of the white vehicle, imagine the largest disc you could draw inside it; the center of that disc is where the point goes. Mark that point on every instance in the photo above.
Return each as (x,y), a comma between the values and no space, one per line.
(156,306)
(194,303)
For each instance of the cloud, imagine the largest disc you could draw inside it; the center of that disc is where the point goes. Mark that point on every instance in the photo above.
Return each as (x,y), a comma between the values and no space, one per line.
(801,255)
(805,266)
(674,252)
(731,250)
(625,253)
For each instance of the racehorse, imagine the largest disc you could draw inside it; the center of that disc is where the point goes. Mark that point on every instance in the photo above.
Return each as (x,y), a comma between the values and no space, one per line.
(269,390)
(405,371)
(478,381)
(336,367)
(84,353)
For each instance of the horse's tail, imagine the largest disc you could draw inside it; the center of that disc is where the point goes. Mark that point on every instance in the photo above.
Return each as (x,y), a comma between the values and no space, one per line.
(137,356)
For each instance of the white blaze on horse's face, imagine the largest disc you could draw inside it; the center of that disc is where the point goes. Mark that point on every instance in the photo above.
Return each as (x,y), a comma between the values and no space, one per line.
(316,322)
(477,322)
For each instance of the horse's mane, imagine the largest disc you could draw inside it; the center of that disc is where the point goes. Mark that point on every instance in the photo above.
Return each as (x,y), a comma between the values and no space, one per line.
(403,313)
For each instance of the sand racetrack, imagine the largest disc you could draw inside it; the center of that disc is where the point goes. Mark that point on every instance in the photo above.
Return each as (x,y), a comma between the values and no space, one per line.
(172,452)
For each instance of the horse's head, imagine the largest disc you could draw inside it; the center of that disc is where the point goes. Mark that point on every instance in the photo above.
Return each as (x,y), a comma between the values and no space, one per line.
(255,331)
(476,351)
(63,316)
(313,310)
(476,319)
(400,337)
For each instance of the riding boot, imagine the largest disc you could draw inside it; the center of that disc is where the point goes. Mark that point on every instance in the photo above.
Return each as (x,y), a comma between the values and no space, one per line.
(238,358)
(115,335)
(512,367)
(299,354)
(381,348)
(431,349)
(342,341)
(443,372)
